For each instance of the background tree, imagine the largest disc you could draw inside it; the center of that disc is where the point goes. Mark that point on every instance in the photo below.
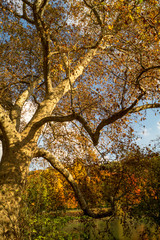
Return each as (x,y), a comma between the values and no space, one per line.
(133,182)
(91,63)
(142,200)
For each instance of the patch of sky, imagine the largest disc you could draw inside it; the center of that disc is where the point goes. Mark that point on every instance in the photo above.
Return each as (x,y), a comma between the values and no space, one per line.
(148,130)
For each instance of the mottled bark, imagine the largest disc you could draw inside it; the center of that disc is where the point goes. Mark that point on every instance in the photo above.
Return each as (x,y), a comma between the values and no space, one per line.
(13,171)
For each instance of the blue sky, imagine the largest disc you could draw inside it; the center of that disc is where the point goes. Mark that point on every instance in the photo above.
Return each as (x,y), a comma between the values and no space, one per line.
(148,129)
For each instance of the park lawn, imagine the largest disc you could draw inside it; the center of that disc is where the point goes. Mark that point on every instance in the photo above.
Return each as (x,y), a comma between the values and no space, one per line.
(73,225)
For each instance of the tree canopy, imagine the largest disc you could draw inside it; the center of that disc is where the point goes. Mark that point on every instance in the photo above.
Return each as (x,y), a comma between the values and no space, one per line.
(88,67)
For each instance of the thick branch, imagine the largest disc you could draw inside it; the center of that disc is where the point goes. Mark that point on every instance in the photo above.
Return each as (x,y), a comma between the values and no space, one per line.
(63,55)
(16,110)
(44,35)
(8,129)
(68,176)
(37,125)
(42,6)
(146,106)
(83,63)
(74,116)
(47,106)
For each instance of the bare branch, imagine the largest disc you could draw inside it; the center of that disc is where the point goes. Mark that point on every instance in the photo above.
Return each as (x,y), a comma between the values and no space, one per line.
(144,71)
(124,89)
(28,3)
(75,116)
(115,117)
(93,8)
(24,16)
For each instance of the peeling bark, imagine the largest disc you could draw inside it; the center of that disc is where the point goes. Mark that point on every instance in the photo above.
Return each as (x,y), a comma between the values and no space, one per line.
(14,168)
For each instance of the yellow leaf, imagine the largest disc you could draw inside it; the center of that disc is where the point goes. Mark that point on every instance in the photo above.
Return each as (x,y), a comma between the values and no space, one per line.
(131,17)
(110,27)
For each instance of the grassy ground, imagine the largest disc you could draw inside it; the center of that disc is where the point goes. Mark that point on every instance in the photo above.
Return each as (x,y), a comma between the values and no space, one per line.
(72,225)
(102,230)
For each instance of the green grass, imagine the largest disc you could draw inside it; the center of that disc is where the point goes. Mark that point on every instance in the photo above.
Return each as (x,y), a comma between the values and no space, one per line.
(72,225)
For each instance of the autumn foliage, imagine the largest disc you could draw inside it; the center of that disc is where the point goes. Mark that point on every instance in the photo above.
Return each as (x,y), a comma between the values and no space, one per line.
(133,182)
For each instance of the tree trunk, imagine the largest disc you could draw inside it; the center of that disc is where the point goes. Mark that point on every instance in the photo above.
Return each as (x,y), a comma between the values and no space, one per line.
(13,171)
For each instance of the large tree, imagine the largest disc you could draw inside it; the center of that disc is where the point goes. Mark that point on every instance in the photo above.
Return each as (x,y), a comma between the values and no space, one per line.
(93,64)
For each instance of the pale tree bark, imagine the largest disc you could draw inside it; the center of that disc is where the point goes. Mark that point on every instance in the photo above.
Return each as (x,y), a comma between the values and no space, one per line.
(14,168)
